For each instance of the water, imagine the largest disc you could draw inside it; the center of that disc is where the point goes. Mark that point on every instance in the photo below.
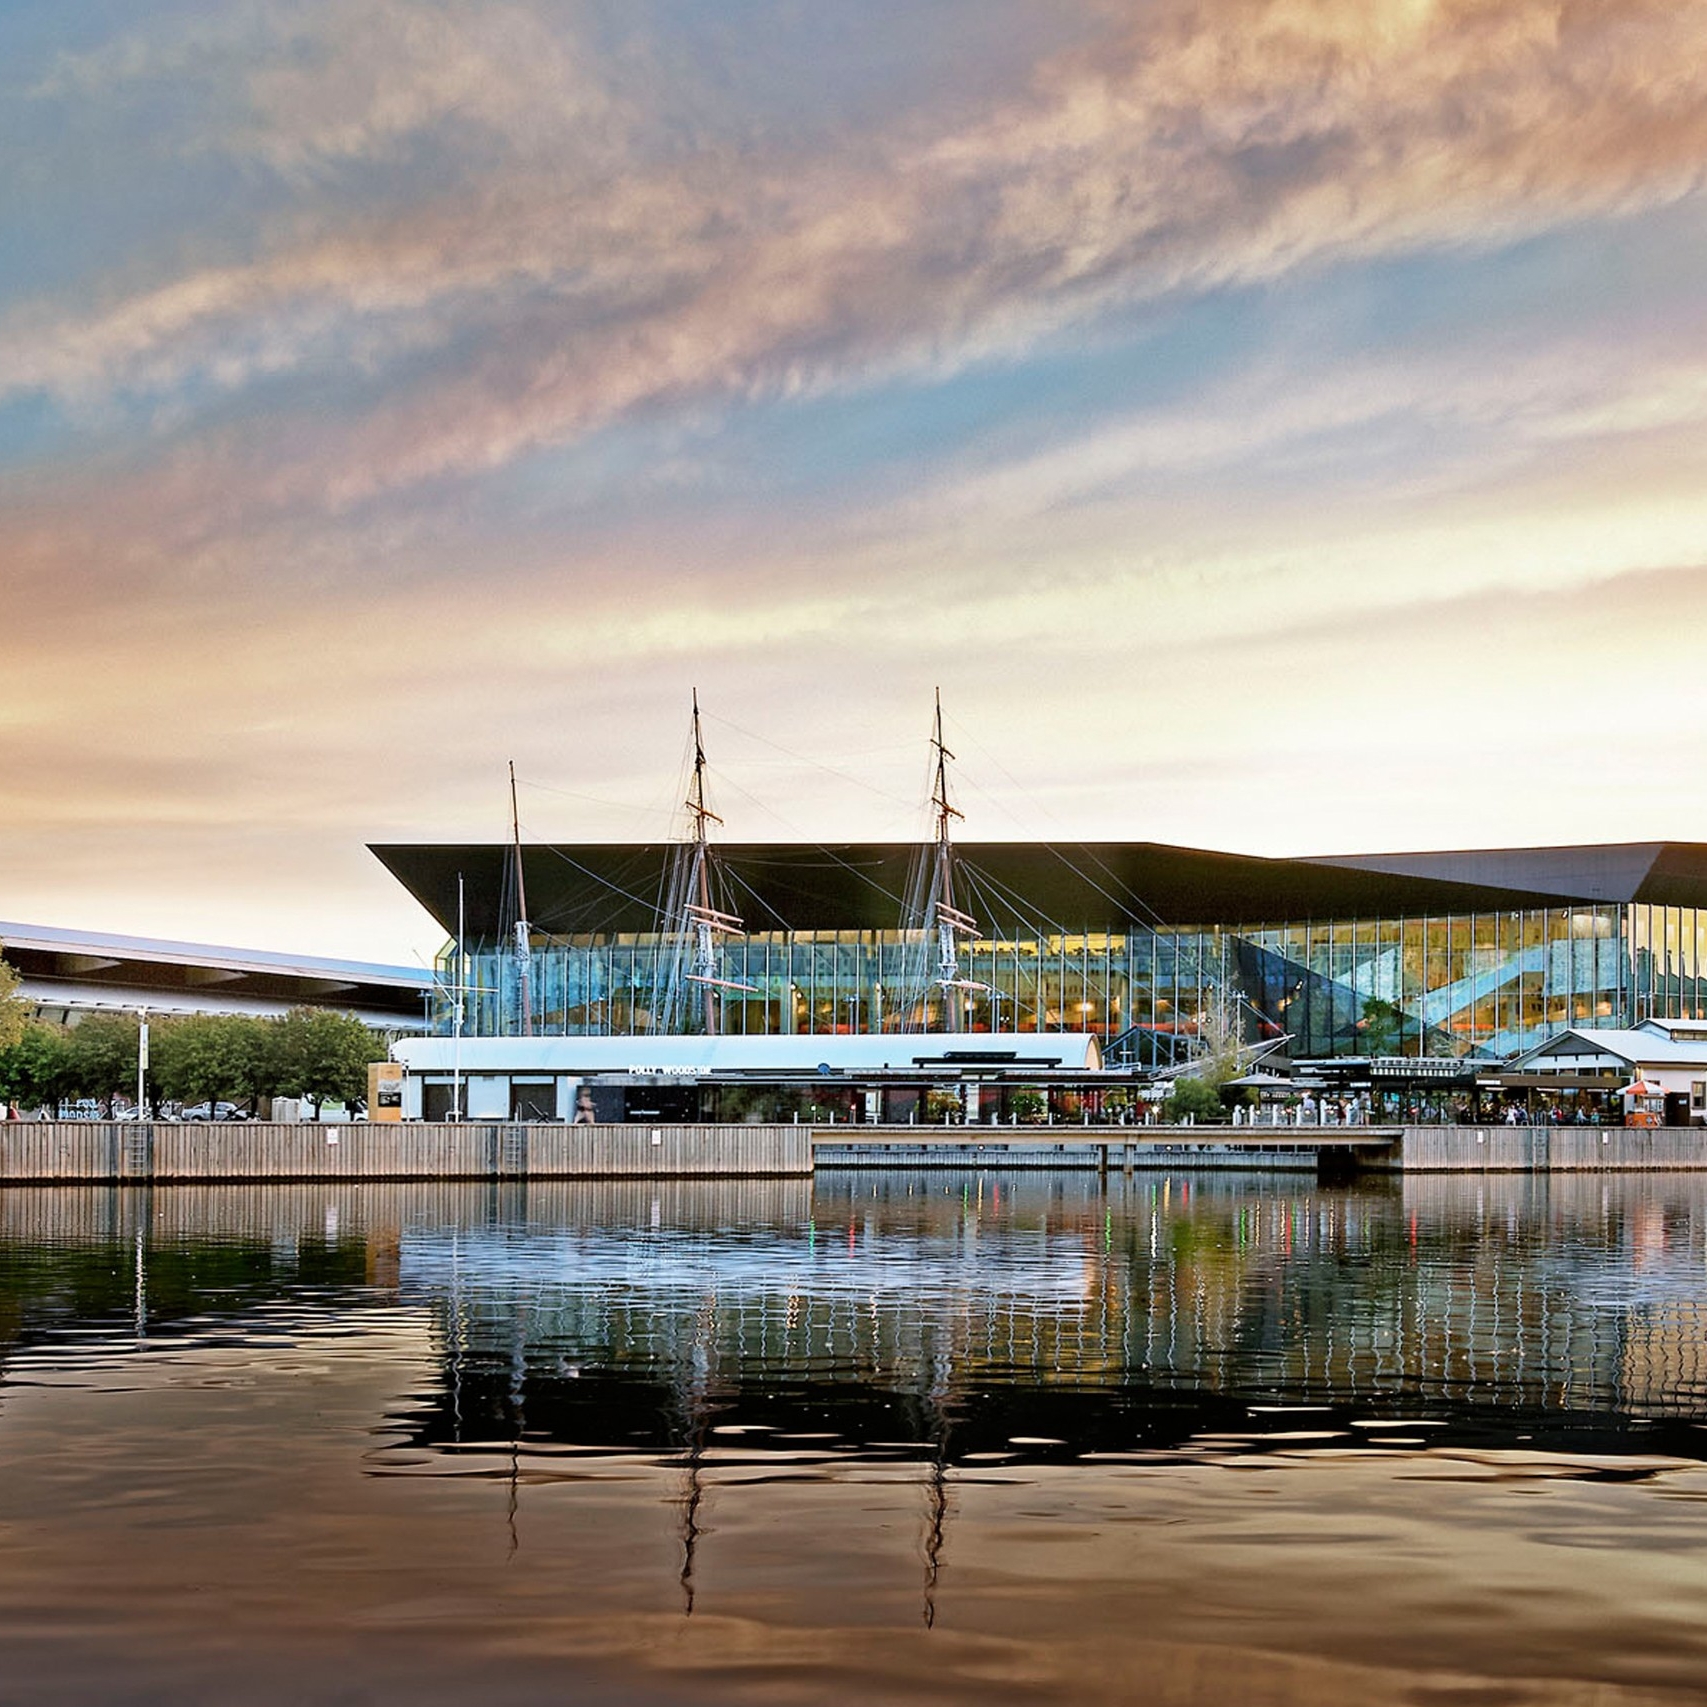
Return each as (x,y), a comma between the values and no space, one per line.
(900,1438)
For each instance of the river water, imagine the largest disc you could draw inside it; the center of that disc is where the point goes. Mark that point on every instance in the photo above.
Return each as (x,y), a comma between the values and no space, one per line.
(895,1437)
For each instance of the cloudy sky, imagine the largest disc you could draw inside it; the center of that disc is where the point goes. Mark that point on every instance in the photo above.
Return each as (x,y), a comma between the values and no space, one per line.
(1278,425)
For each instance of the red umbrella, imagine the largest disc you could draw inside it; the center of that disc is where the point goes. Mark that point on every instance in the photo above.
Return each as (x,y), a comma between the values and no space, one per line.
(1641,1088)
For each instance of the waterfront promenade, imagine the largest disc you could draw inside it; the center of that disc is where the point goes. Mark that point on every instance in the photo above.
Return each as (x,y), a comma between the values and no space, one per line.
(142,1153)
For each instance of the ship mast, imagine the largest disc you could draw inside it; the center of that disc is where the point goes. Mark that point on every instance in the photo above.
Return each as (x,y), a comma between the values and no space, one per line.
(524,948)
(945,920)
(703,921)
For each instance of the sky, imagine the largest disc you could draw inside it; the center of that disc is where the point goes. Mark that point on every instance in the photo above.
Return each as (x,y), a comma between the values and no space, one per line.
(1276,425)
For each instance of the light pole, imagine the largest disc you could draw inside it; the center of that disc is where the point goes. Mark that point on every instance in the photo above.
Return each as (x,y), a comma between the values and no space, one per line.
(456,1011)
(141,1062)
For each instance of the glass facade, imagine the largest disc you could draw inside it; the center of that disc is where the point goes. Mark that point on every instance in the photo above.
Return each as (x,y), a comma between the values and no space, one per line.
(1477,984)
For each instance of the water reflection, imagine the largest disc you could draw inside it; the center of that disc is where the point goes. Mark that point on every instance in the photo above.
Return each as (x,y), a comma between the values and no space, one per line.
(1044,1319)
(989,1411)
(937,1317)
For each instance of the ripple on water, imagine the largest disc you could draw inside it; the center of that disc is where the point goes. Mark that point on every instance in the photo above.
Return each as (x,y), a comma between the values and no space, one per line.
(1254,1442)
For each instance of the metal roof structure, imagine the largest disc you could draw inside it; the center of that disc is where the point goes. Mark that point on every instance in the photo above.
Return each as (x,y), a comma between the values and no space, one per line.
(1022,886)
(92,969)
(967,1054)
(1666,874)
(1635,1048)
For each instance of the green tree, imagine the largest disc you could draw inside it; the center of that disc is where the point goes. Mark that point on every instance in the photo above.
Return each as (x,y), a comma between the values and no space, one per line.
(14,1012)
(211,1057)
(102,1059)
(1219,1045)
(940,1104)
(324,1057)
(35,1070)
(1027,1106)
(1196,1098)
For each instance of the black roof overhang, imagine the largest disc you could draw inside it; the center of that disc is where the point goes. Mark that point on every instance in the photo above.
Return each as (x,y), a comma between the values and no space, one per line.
(927,1072)
(1010,887)
(70,969)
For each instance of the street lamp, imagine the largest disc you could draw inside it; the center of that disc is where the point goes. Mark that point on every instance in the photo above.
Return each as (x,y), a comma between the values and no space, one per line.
(141,1061)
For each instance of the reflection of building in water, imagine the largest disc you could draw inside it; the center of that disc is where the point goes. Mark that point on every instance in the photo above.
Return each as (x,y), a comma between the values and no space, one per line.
(1664,1367)
(629,1313)
(997,1300)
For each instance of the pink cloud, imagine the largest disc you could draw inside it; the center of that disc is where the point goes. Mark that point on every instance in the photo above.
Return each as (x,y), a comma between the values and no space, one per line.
(582,273)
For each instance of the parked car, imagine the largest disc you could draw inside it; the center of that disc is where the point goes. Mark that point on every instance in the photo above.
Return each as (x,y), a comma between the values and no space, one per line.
(212,1111)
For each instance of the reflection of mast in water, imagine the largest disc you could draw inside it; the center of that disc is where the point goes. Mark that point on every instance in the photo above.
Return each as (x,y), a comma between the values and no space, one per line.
(458,1339)
(694,1406)
(516,1405)
(690,1504)
(936,1526)
(939,1407)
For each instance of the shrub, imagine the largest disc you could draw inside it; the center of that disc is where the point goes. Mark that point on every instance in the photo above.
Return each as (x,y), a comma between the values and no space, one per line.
(1194,1099)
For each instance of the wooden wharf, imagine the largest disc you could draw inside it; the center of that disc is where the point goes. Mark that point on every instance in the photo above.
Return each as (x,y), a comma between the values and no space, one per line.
(119,1152)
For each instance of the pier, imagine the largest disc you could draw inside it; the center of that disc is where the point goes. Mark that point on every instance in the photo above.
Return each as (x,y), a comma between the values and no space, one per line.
(1327,1151)
(205,1152)
(89,1151)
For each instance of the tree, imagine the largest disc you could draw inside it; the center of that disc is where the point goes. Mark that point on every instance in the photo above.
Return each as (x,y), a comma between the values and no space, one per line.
(1194,1099)
(1197,1092)
(324,1056)
(102,1059)
(941,1104)
(14,1013)
(1027,1105)
(210,1057)
(1219,1042)
(35,1070)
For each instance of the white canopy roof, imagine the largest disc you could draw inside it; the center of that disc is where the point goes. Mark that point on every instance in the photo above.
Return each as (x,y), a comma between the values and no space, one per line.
(899,1051)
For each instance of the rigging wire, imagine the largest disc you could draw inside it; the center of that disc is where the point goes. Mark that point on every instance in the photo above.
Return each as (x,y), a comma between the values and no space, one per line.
(1132,898)
(1140,912)
(597,877)
(914,905)
(734,877)
(788,824)
(665,813)
(816,764)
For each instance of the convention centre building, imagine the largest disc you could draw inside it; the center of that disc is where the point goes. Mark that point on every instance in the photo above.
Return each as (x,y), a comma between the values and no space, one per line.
(1477,954)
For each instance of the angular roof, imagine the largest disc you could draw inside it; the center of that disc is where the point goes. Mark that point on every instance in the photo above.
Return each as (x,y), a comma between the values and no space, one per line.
(1638,1048)
(1020,886)
(81,966)
(1662,873)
